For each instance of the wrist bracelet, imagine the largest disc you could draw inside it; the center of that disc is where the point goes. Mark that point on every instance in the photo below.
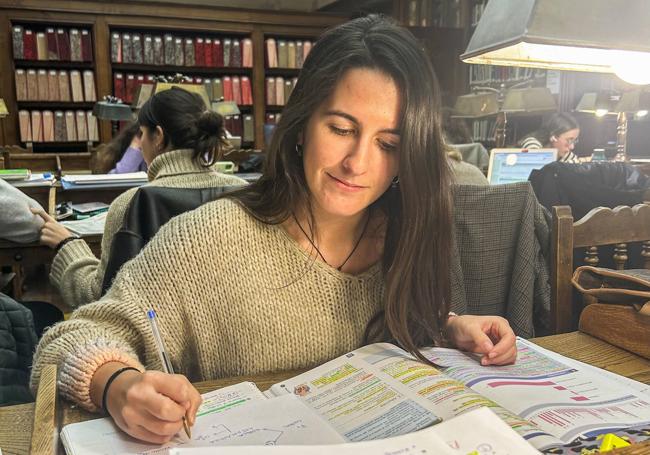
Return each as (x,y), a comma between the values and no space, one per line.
(64,241)
(110,381)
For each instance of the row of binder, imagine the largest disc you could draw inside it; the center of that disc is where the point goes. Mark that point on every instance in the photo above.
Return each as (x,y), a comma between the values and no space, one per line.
(228,88)
(53,85)
(57,126)
(59,44)
(286,54)
(181,51)
(278,90)
(241,125)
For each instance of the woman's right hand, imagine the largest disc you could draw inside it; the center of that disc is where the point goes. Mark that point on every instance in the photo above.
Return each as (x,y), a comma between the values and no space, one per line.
(150,406)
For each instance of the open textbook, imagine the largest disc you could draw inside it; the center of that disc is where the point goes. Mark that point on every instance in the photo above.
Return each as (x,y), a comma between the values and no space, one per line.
(379,391)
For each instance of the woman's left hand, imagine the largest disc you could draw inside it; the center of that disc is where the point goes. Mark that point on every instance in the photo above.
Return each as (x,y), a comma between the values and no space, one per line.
(52,232)
(487,335)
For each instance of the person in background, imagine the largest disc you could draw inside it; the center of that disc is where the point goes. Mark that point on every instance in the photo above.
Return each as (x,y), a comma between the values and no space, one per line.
(181,141)
(559,131)
(17,222)
(123,154)
(345,239)
(456,132)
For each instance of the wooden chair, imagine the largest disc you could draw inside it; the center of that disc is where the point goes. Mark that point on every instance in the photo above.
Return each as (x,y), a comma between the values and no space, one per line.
(601,226)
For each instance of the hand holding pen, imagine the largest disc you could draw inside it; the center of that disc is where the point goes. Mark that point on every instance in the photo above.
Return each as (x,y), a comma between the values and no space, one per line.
(150,406)
(164,358)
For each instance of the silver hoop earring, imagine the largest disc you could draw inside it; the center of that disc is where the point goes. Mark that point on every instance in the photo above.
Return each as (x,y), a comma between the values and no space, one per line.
(395,182)
(299,149)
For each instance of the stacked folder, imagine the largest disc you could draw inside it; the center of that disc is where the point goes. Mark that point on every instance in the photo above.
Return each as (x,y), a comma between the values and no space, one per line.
(175,50)
(278,90)
(57,126)
(283,53)
(53,85)
(52,43)
(227,88)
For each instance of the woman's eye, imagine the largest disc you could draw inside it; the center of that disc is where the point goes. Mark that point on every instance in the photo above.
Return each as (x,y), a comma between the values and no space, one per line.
(388,146)
(341,131)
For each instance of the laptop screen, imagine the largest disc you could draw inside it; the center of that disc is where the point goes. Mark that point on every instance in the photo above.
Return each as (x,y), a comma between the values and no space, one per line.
(515,165)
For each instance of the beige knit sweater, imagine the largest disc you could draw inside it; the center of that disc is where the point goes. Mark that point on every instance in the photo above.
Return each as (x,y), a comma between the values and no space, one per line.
(233,295)
(78,274)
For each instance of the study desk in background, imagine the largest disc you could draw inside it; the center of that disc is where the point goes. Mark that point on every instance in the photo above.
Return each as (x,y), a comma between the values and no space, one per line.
(35,424)
(21,255)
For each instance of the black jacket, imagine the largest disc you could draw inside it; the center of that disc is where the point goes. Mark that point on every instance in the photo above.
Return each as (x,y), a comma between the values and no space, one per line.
(17,345)
(150,208)
(589,185)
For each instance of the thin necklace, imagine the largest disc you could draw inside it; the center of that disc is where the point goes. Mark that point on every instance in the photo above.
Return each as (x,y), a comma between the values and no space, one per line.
(365,227)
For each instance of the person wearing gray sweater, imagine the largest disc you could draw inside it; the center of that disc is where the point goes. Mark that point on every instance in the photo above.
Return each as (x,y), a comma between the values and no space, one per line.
(188,143)
(344,240)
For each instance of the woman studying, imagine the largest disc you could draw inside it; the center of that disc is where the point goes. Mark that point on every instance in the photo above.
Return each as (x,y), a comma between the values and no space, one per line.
(344,240)
(180,143)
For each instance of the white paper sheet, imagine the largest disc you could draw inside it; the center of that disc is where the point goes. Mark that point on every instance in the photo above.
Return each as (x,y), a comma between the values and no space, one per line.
(489,435)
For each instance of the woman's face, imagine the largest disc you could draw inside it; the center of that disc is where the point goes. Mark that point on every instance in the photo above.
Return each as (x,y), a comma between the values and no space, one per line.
(565,142)
(150,143)
(351,143)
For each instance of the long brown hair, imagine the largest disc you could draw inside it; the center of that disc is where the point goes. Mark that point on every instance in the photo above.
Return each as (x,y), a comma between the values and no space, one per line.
(418,241)
(107,156)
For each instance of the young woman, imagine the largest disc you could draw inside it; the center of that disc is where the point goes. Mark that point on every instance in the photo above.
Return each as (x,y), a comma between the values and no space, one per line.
(123,154)
(345,239)
(180,143)
(559,131)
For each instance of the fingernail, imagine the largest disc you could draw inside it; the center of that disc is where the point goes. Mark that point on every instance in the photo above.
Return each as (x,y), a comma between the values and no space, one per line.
(487,346)
(492,354)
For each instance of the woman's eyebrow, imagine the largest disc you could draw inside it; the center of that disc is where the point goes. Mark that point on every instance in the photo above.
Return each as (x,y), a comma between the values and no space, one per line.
(354,120)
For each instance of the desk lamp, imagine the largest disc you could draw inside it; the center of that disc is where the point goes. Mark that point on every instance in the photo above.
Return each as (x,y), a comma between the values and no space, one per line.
(603,36)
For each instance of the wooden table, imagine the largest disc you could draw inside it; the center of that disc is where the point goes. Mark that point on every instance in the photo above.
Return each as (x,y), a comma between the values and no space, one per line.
(17,422)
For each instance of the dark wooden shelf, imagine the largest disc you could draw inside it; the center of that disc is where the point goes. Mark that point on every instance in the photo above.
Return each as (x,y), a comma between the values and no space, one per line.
(55,104)
(293,72)
(273,108)
(52,64)
(184,70)
(72,146)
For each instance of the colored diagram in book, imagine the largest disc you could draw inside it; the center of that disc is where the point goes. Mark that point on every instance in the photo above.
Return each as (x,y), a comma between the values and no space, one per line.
(223,434)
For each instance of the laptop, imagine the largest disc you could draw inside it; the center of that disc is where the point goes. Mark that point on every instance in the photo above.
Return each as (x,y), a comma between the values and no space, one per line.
(515,165)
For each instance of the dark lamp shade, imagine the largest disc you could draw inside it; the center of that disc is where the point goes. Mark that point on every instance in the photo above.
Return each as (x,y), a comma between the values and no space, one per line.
(112,111)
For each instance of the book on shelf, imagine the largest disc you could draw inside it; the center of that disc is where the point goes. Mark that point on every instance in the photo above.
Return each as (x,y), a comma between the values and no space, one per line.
(379,391)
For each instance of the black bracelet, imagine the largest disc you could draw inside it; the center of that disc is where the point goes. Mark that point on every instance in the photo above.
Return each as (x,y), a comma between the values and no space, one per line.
(63,242)
(110,381)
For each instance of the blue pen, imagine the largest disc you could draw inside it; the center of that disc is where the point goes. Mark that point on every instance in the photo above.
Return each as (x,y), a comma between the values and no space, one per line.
(164,358)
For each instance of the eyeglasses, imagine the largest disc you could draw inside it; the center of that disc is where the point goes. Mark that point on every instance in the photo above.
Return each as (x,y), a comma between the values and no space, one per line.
(570,141)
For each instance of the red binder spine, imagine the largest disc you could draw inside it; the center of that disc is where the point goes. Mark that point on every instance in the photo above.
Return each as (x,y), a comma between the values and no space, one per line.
(86,46)
(118,85)
(29,45)
(63,43)
(209,56)
(246,91)
(227,89)
(52,48)
(129,88)
(199,52)
(217,53)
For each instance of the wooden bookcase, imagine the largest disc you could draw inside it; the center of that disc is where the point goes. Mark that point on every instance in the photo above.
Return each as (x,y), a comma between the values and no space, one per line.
(40,26)
(104,17)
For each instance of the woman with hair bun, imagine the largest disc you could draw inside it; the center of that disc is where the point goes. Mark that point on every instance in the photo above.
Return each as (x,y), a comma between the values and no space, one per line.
(181,141)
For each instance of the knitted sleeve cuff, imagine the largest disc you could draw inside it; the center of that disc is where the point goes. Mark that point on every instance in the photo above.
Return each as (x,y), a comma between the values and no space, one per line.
(68,254)
(79,367)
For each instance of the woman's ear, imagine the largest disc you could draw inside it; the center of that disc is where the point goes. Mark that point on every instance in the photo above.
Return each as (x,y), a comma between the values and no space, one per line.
(159,136)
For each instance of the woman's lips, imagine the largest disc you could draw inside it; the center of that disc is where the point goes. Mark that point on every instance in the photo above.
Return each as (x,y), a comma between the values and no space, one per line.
(344,184)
